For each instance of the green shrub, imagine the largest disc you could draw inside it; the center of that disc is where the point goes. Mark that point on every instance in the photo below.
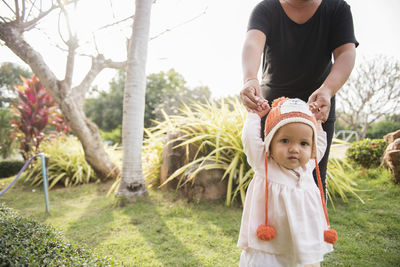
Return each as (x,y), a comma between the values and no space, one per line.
(25,242)
(66,164)
(10,167)
(367,153)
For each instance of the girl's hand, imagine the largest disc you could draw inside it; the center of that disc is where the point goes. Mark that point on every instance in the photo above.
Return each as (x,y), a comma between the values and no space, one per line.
(320,103)
(263,109)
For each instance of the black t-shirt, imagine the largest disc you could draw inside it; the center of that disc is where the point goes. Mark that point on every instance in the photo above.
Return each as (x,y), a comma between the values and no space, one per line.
(298,57)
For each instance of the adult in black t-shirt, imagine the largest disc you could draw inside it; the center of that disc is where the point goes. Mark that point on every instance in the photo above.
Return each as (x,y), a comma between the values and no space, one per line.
(296,40)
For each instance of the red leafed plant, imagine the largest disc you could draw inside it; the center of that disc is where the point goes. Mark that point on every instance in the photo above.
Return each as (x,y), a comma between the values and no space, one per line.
(34,110)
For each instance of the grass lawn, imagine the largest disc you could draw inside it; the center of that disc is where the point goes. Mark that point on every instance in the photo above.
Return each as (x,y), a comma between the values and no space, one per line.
(163,230)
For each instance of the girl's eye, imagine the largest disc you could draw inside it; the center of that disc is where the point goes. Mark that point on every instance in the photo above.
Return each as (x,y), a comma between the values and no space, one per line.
(305,144)
(285,141)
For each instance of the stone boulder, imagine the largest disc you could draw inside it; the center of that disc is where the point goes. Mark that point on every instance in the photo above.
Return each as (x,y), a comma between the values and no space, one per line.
(390,137)
(391,157)
(207,184)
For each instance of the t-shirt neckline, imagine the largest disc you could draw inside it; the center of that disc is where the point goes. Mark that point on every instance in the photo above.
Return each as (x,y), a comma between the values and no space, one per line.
(292,21)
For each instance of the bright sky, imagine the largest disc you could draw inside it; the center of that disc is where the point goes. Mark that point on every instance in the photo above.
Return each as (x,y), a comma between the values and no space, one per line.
(207,49)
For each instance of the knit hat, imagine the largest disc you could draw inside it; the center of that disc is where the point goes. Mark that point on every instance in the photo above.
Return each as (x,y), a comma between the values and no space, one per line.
(284,111)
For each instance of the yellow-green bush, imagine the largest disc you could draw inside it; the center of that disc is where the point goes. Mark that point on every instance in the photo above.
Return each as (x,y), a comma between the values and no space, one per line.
(66,164)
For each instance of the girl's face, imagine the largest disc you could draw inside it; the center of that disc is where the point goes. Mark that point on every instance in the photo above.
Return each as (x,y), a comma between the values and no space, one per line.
(292,144)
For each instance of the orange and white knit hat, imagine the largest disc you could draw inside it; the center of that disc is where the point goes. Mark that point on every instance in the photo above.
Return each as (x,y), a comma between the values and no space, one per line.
(283,111)
(287,110)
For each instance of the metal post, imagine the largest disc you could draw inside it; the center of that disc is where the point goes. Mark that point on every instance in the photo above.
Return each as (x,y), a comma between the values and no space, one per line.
(44,174)
(45,183)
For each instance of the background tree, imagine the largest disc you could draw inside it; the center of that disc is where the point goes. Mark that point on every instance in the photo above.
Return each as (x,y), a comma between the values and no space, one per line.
(167,91)
(381,128)
(132,182)
(106,108)
(25,15)
(164,91)
(372,92)
(6,130)
(9,77)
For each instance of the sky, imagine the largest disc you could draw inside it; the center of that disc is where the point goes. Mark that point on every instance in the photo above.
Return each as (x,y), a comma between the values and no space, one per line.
(200,39)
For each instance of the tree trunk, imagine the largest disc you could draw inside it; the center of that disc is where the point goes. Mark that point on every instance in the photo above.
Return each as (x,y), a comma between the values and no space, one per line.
(132,182)
(66,98)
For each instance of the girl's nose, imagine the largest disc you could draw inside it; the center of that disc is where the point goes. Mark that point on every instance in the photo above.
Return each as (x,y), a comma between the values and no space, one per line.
(294,148)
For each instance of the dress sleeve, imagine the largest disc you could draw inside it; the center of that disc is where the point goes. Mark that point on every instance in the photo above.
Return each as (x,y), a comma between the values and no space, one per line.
(321,144)
(342,28)
(253,146)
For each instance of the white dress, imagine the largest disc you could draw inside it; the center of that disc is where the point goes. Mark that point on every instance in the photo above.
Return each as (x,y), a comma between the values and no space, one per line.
(294,208)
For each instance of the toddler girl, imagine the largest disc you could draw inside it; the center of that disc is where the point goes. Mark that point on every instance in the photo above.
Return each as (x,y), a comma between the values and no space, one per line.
(284,221)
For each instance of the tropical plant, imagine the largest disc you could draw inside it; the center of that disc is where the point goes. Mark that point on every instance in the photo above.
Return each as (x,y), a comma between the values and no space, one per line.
(33,112)
(215,130)
(66,163)
(339,181)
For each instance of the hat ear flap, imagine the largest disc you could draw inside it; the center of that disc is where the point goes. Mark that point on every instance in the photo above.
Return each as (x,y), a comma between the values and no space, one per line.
(314,152)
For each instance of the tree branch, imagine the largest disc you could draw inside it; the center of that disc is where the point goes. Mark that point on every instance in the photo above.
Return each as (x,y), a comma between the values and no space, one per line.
(98,64)
(181,24)
(17,17)
(28,25)
(14,40)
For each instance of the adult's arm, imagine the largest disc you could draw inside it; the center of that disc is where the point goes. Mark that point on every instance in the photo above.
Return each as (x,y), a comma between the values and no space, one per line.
(253,48)
(344,59)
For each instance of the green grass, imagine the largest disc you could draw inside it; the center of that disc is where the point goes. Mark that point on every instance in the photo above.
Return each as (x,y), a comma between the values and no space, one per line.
(164,230)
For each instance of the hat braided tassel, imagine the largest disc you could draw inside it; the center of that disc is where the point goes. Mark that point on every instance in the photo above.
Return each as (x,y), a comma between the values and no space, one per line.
(330,235)
(265,232)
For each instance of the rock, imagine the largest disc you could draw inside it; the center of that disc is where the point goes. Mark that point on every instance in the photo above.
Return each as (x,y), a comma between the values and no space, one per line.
(206,185)
(390,137)
(391,157)
(172,159)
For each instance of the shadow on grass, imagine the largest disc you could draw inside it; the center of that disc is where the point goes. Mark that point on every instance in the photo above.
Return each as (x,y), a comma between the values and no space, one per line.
(165,245)
(92,225)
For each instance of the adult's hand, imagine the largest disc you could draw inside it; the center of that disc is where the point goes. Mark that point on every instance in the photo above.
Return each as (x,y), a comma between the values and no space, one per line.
(320,103)
(251,96)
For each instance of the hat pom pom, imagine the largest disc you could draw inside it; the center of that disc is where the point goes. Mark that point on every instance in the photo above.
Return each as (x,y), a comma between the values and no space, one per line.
(330,236)
(278,100)
(265,232)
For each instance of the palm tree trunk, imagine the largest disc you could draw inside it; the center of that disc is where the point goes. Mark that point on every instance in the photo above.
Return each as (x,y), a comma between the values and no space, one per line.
(132,182)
